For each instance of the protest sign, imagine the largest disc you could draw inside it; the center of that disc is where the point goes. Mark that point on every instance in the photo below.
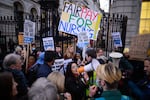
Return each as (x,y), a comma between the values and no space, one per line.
(61,65)
(140,47)
(83,39)
(58,64)
(48,43)
(29,31)
(117,39)
(20,38)
(76,19)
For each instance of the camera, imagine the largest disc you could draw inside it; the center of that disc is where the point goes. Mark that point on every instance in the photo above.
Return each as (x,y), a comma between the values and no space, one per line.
(98,92)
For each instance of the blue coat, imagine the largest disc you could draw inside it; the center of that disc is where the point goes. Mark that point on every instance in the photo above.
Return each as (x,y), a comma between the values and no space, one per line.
(44,70)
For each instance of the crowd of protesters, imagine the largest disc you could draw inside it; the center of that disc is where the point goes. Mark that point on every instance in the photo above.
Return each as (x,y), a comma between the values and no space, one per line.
(94,78)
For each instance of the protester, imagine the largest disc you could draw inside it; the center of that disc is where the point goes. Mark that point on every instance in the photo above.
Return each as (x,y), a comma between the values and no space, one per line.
(45,69)
(33,49)
(69,54)
(31,61)
(58,52)
(142,88)
(124,63)
(42,89)
(78,59)
(108,77)
(12,63)
(75,83)
(8,86)
(100,56)
(92,62)
(33,70)
(18,50)
(58,79)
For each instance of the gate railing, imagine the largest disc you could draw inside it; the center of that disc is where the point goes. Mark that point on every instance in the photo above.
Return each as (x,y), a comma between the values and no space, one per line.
(109,24)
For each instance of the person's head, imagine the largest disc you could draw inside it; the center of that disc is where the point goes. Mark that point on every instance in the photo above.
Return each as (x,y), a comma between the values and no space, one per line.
(58,48)
(58,79)
(77,56)
(12,61)
(33,45)
(108,76)
(147,66)
(18,50)
(42,89)
(72,70)
(31,60)
(69,54)
(90,54)
(8,87)
(70,49)
(99,52)
(126,52)
(49,57)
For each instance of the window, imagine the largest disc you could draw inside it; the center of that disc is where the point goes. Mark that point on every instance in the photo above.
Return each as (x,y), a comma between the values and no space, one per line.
(145,18)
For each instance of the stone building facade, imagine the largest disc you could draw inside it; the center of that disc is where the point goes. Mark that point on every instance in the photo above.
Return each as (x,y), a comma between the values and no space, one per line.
(8,7)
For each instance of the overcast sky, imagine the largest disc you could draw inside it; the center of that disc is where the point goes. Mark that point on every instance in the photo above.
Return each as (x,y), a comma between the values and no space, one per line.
(104,4)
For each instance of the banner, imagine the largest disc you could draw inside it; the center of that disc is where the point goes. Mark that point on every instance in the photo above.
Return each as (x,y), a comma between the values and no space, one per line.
(48,43)
(76,19)
(29,31)
(117,39)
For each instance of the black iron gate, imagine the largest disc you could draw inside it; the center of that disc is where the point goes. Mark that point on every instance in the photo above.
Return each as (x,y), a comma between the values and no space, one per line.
(109,24)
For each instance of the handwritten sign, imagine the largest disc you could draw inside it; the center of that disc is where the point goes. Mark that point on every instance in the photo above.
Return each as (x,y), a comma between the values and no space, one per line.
(29,31)
(48,43)
(140,47)
(76,19)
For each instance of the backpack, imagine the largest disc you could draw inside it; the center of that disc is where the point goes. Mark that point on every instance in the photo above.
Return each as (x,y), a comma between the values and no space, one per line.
(32,74)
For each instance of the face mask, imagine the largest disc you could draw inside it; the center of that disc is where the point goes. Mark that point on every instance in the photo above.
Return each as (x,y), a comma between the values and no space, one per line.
(33,48)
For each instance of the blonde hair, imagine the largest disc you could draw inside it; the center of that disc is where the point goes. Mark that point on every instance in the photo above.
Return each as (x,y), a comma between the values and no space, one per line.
(126,50)
(109,73)
(68,54)
(58,79)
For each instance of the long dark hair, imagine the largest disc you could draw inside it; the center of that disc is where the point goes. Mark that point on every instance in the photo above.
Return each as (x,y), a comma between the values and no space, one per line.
(6,83)
(68,70)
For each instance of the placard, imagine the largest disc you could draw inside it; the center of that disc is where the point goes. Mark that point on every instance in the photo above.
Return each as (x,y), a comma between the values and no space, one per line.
(117,39)
(58,64)
(20,38)
(76,19)
(140,47)
(48,43)
(83,40)
(29,31)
